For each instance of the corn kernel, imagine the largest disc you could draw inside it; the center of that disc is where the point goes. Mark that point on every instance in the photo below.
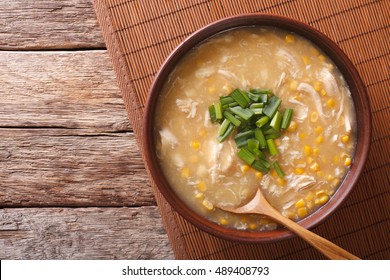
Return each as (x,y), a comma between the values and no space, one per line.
(320,139)
(202,186)
(223,221)
(320,173)
(306,59)
(208,204)
(330,192)
(336,159)
(315,51)
(195,145)
(343,155)
(322,200)
(185,172)
(289,38)
(314,117)
(330,66)
(331,102)
(309,160)
(347,161)
(317,86)
(320,193)
(309,196)
(259,175)
(310,205)
(289,214)
(335,182)
(322,58)
(292,127)
(252,226)
(307,150)
(315,151)
(345,139)
(315,167)
(274,173)
(323,92)
(278,142)
(300,203)
(329,177)
(302,135)
(244,168)
(212,89)
(294,85)
(199,195)
(299,171)
(282,182)
(297,98)
(319,129)
(302,212)
(227,88)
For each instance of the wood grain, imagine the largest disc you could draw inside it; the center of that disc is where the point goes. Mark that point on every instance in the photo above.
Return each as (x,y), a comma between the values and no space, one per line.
(47,24)
(83,233)
(66,167)
(72,182)
(60,89)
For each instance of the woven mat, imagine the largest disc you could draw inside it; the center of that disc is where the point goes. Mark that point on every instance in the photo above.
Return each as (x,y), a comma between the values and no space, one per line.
(139,36)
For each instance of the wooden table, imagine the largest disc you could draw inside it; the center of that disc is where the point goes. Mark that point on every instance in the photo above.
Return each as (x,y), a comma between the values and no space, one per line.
(72,182)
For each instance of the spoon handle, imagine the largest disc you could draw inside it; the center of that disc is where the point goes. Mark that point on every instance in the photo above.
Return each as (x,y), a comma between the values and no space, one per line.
(329,249)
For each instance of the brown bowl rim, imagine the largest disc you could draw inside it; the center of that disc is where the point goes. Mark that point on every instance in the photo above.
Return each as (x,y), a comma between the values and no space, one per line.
(359,96)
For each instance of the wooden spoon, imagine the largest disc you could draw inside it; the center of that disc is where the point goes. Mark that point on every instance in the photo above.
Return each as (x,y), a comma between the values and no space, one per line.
(259,205)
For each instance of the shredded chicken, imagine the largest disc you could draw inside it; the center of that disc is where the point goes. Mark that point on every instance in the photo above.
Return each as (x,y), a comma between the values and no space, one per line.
(301,112)
(187,106)
(317,99)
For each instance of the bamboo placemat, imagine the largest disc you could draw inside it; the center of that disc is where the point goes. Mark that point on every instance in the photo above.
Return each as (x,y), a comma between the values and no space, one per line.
(139,36)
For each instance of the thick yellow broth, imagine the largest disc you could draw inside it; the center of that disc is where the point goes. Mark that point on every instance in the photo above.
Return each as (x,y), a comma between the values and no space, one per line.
(315,151)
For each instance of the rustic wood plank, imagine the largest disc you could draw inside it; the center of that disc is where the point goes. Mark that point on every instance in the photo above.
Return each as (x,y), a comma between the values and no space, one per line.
(47,24)
(67,167)
(60,89)
(87,233)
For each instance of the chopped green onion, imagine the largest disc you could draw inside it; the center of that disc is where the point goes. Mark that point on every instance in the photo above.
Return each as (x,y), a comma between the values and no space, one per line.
(273,150)
(240,97)
(244,113)
(246,156)
(231,118)
(272,135)
(229,130)
(254,97)
(287,116)
(218,110)
(262,121)
(233,104)
(225,100)
(224,126)
(253,144)
(272,106)
(245,134)
(257,111)
(213,116)
(256,117)
(258,165)
(260,137)
(278,169)
(257,108)
(256,105)
(276,121)
(260,91)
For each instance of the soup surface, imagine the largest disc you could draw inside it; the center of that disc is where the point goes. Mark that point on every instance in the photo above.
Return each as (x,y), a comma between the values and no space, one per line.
(315,151)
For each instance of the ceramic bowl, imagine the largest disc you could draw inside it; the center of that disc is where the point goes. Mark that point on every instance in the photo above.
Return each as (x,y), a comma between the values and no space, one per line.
(359,97)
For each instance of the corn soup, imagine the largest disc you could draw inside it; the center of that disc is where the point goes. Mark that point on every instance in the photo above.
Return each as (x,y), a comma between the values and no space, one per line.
(314,152)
